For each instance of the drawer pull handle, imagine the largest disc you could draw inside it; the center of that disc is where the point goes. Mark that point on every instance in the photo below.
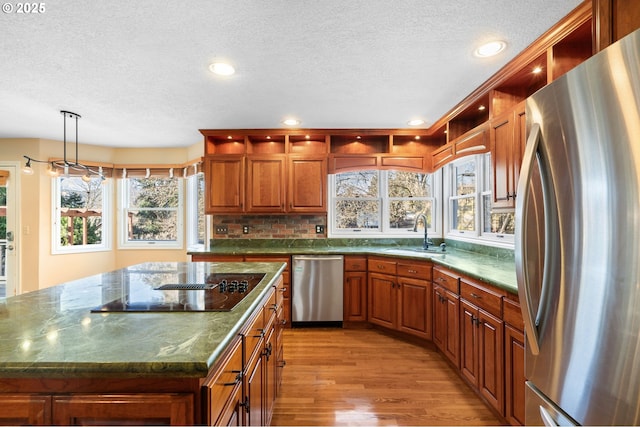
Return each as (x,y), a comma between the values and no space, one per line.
(412,271)
(238,379)
(283,290)
(476,296)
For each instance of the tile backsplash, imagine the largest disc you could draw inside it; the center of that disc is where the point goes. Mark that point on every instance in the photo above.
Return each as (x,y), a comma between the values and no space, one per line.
(270,226)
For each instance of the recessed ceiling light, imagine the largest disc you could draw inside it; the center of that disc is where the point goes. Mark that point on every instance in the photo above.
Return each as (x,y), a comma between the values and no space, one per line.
(537,70)
(222,68)
(291,122)
(415,122)
(481,108)
(490,49)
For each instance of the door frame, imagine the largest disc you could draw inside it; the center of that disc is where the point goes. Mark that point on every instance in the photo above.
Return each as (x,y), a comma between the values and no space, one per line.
(13,224)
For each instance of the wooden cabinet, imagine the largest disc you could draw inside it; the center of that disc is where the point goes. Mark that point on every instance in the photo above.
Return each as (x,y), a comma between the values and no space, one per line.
(482,341)
(225,184)
(266,180)
(307,184)
(414,298)
(125,409)
(446,317)
(614,19)
(223,387)
(400,295)
(355,289)
(25,409)
(514,354)
(502,146)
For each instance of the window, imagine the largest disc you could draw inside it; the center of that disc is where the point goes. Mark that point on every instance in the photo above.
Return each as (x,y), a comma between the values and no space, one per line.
(80,215)
(470,209)
(151,212)
(376,202)
(196,219)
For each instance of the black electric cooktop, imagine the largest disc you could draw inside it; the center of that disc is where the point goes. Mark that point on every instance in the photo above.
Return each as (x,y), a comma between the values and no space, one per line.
(218,292)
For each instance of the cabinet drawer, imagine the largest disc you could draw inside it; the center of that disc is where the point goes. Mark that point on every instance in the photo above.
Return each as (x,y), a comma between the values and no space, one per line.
(355,263)
(420,271)
(512,314)
(224,381)
(446,279)
(481,297)
(381,265)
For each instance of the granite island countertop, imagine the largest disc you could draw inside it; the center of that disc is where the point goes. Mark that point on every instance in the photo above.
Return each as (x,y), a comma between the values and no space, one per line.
(497,270)
(53,333)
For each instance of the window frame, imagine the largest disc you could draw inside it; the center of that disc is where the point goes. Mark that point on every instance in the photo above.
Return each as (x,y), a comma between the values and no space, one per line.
(193,214)
(123,207)
(484,188)
(106,245)
(385,231)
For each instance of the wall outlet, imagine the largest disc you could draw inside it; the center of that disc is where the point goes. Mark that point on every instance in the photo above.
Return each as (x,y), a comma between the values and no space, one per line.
(245,229)
(319,229)
(222,229)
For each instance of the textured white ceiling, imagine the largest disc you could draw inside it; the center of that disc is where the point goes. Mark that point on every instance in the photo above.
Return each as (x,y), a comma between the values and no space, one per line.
(137,70)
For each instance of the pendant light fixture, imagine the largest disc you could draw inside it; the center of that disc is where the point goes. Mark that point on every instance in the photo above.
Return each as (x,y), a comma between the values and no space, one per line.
(65,165)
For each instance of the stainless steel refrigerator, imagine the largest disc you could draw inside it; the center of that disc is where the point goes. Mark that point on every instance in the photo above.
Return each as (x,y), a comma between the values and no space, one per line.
(578,243)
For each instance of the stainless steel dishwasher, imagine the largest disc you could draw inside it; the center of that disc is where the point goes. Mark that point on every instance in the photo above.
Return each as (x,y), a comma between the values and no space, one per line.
(317,289)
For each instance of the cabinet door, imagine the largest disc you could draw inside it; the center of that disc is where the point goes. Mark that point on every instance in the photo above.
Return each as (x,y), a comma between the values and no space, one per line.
(123,409)
(266,184)
(414,307)
(439,317)
(502,140)
(491,359)
(382,300)
(520,142)
(514,375)
(355,296)
(233,413)
(225,184)
(255,390)
(452,343)
(270,389)
(307,184)
(469,342)
(25,409)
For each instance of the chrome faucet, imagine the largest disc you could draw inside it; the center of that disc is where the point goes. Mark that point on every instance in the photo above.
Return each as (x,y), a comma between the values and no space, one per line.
(426,242)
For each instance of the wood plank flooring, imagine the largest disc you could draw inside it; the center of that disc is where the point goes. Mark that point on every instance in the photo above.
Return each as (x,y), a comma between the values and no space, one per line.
(367,377)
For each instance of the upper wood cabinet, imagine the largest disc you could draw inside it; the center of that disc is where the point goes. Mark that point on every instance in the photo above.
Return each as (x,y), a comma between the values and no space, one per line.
(307,183)
(614,19)
(266,181)
(225,183)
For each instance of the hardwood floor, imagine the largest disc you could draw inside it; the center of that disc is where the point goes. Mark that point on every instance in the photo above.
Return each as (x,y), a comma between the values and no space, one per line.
(366,377)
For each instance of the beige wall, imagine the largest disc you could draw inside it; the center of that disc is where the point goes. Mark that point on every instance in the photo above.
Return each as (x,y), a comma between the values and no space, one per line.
(39,268)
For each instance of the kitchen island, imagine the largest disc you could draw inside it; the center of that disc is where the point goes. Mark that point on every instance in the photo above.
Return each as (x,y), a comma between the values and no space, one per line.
(64,361)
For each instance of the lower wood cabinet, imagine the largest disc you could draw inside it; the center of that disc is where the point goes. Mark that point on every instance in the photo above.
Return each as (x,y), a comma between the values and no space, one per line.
(355,289)
(446,314)
(25,409)
(514,353)
(400,295)
(150,409)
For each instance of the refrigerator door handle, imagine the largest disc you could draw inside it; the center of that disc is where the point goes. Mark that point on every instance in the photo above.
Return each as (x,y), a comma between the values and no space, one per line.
(547,419)
(524,291)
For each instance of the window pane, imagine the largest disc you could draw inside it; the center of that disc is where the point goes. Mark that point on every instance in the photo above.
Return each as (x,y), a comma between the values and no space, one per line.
(465,178)
(499,223)
(357,214)
(80,211)
(403,213)
(153,192)
(158,225)
(409,184)
(463,211)
(357,184)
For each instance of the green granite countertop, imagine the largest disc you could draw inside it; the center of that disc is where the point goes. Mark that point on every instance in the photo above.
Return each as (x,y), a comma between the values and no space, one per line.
(53,333)
(493,266)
